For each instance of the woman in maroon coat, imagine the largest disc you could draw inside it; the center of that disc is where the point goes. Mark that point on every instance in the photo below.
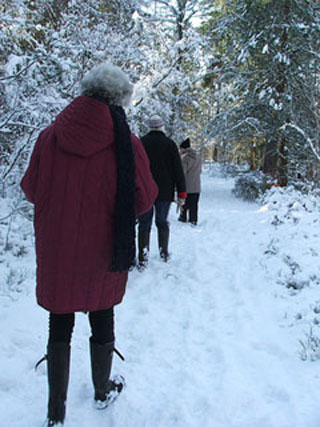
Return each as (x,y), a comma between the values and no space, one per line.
(88,178)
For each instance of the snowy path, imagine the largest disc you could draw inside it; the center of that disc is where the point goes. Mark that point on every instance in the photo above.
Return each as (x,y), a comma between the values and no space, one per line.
(202,338)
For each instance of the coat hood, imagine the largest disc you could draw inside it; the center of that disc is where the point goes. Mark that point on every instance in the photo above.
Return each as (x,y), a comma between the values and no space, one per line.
(190,153)
(84,127)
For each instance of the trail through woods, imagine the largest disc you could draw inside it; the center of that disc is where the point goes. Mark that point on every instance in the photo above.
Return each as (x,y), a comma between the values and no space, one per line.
(203,336)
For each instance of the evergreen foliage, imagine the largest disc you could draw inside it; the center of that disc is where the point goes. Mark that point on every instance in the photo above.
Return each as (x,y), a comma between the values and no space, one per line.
(265,59)
(252,185)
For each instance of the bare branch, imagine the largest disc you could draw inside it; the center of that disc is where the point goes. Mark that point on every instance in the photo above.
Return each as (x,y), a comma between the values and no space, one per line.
(9,169)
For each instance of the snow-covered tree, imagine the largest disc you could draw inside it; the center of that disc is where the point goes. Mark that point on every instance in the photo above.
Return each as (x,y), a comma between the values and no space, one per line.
(270,64)
(43,58)
(173,48)
(47,46)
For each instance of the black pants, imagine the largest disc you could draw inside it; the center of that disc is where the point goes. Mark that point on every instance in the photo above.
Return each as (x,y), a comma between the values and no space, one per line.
(190,208)
(101,323)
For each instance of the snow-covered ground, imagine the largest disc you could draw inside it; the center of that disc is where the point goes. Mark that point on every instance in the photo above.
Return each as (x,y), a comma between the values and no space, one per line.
(214,338)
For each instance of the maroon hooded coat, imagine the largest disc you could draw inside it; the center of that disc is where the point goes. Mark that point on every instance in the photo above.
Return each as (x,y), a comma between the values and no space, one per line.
(72,181)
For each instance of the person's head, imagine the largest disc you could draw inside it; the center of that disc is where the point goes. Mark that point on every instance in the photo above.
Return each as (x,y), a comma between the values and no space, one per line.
(155,123)
(109,82)
(184,145)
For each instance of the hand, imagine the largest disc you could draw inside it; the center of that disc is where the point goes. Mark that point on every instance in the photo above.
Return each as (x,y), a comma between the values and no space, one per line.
(181,201)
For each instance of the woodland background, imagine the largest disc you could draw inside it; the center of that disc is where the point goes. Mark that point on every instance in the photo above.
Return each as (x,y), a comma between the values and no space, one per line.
(231,344)
(240,77)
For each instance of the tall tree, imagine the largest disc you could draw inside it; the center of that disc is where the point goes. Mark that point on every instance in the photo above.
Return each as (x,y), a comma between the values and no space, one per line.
(174,64)
(271,62)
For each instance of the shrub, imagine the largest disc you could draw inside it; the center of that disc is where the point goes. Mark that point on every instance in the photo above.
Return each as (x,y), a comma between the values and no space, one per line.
(251,186)
(310,347)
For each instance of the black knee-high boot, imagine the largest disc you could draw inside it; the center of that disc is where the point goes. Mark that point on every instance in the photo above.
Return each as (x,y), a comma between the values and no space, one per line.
(58,358)
(143,246)
(105,390)
(163,240)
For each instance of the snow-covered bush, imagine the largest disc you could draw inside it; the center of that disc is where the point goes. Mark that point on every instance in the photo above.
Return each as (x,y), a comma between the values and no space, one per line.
(294,215)
(251,186)
(291,257)
(14,283)
(16,242)
(305,187)
(310,346)
(290,204)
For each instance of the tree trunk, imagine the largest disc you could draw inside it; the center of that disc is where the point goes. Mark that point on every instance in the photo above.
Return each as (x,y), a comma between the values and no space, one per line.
(282,169)
(215,154)
(275,161)
(271,157)
(282,164)
(253,156)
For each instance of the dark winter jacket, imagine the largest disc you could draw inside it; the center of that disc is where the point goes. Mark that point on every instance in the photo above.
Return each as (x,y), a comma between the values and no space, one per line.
(165,165)
(192,169)
(72,180)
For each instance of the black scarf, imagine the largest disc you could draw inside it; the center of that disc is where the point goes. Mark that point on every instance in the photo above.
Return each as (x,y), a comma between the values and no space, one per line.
(124,248)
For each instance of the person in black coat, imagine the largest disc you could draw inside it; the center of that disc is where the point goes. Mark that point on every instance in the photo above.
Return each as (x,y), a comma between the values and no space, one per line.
(167,171)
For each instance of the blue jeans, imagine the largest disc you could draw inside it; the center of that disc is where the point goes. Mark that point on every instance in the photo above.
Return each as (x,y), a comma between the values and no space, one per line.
(161,209)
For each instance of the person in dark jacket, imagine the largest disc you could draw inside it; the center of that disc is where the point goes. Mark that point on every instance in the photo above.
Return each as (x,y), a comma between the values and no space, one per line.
(192,169)
(88,179)
(166,168)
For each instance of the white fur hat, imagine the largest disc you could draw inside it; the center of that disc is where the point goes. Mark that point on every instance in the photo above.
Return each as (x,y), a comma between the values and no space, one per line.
(108,81)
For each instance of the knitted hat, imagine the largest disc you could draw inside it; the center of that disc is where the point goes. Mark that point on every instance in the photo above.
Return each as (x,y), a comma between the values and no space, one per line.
(155,122)
(185,143)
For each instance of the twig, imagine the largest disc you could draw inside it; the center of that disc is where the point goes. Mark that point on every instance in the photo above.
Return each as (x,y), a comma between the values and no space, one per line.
(5,174)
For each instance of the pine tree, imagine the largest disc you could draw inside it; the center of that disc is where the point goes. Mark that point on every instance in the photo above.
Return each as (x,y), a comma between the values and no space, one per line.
(270,68)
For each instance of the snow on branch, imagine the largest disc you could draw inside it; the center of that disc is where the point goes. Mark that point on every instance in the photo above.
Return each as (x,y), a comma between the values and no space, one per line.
(304,135)
(16,155)
(156,84)
(14,76)
(250,121)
